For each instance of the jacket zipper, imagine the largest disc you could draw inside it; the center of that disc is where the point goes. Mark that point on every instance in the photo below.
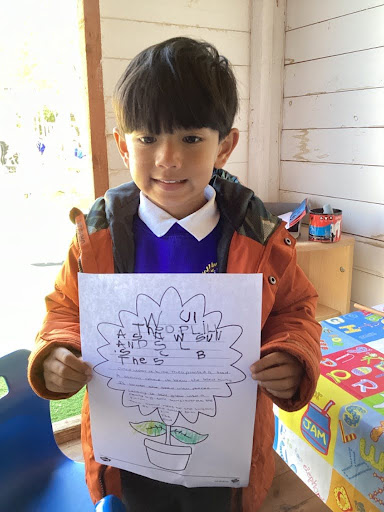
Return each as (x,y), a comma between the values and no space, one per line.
(79,265)
(101,480)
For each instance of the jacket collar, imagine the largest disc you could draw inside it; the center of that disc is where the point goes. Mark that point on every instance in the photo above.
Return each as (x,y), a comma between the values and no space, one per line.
(121,205)
(244,211)
(240,210)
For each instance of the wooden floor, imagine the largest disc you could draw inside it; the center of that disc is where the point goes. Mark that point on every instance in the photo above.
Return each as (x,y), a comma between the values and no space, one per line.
(287,494)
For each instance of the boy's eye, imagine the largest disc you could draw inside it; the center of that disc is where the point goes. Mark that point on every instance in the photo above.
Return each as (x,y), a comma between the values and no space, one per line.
(192,139)
(147,139)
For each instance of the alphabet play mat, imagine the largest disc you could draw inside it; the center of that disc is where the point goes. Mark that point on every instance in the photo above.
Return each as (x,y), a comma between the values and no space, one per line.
(336,443)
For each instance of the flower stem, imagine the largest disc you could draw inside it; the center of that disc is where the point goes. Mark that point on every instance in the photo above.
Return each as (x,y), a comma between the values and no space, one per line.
(168,435)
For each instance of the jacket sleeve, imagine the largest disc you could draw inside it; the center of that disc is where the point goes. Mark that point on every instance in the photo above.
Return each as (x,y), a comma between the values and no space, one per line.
(61,324)
(291,327)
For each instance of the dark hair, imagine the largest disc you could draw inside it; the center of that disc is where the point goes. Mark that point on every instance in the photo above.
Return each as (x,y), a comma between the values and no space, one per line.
(179,83)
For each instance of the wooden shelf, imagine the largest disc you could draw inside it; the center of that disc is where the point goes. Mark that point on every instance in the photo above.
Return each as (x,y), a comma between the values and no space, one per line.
(329,268)
(324,312)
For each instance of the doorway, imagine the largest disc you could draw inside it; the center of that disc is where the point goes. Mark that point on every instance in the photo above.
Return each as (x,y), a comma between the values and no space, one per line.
(45,164)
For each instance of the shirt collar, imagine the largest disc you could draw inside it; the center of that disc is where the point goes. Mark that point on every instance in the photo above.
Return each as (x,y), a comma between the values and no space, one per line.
(199,224)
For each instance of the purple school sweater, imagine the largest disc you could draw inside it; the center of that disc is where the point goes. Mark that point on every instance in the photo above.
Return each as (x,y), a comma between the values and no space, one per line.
(175,252)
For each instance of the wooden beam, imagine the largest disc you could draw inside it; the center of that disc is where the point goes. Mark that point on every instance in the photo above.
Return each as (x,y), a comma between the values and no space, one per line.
(90,42)
(266,97)
(67,430)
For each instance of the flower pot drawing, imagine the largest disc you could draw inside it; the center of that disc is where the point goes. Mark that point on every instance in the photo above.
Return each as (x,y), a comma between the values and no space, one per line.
(315,426)
(166,456)
(164,396)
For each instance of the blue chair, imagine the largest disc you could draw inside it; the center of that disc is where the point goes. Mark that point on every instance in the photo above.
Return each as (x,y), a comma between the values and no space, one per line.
(110,504)
(35,476)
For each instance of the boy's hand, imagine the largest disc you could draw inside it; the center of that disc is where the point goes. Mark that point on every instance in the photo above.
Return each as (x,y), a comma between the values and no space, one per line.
(64,372)
(279,373)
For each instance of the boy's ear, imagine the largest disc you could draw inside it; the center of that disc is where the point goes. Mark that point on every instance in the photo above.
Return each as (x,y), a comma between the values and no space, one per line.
(121,146)
(226,146)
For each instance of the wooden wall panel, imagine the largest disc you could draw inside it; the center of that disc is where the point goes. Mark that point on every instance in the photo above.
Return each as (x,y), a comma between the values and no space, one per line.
(123,39)
(369,256)
(359,70)
(367,288)
(208,13)
(350,109)
(307,12)
(356,182)
(363,146)
(346,34)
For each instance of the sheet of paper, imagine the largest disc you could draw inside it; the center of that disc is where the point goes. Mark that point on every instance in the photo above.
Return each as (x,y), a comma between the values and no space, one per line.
(172,396)
(285,217)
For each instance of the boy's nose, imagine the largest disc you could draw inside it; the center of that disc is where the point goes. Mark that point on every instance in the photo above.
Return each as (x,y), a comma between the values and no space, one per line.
(168,156)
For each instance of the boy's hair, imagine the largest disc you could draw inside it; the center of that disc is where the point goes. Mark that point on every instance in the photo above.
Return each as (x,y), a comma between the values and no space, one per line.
(179,83)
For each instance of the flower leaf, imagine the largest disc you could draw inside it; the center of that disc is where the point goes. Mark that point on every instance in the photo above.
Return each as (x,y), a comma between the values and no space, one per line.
(150,428)
(187,436)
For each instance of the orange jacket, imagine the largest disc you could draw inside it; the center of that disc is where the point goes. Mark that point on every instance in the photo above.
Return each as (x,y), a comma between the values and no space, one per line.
(253,241)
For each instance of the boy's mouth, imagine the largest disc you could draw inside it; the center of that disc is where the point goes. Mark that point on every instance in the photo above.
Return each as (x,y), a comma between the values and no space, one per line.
(171,181)
(170,185)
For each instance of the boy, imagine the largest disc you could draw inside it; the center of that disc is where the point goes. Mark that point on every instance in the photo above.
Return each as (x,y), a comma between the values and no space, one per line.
(175,105)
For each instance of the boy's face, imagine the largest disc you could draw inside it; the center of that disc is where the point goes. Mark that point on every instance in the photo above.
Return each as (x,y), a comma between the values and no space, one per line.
(172,170)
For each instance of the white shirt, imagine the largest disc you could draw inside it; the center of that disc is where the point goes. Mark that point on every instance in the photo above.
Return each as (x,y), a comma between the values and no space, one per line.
(199,224)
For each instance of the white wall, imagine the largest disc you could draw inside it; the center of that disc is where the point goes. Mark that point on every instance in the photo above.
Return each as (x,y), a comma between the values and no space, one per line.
(129,26)
(333,123)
